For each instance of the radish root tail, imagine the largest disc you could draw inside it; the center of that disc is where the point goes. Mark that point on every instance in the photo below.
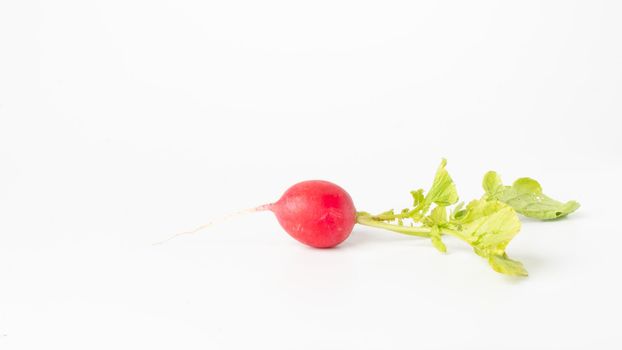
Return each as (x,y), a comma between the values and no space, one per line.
(215,222)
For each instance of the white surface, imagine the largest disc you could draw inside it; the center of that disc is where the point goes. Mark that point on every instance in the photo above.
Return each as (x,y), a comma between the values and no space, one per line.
(122,122)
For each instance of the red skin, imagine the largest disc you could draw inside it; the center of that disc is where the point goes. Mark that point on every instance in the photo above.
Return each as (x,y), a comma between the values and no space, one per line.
(317,213)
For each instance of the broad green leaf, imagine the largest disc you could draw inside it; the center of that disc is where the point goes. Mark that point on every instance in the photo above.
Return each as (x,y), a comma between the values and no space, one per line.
(526,197)
(443,191)
(490,226)
(476,209)
(492,182)
(507,266)
(438,216)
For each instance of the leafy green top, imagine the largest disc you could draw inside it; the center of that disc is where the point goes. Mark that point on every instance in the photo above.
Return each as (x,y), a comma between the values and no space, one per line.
(487,224)
(526,197)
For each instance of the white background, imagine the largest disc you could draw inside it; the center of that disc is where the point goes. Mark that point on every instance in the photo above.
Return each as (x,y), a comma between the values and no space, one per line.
(122,122)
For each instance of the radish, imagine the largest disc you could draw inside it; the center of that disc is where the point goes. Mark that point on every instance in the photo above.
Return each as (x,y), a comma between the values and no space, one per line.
(316,213)
(321,214)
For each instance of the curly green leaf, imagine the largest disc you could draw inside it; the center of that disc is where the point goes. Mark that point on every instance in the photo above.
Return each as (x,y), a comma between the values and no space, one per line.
(526,197)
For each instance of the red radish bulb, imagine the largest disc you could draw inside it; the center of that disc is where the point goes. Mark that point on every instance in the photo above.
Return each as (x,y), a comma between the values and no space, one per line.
(317,213)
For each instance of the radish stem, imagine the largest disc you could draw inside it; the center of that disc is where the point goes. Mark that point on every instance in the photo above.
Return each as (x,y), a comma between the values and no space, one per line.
(407,230)
(377,221)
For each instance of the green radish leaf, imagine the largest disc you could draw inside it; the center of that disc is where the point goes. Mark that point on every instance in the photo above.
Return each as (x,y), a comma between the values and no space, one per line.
(507,266)
(418,197)
(494,232)
(492,183)
(478,209)
(443,191)
(526,197)
(489,226)
(438,217)
(457,212)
